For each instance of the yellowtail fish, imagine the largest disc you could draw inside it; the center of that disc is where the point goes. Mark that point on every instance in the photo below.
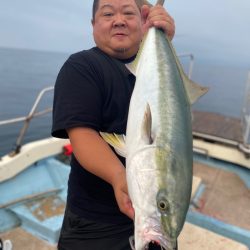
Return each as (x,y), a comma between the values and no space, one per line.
(158,145)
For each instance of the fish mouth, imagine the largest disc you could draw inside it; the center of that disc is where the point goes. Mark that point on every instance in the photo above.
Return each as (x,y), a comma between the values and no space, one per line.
(149,245)
(153,243)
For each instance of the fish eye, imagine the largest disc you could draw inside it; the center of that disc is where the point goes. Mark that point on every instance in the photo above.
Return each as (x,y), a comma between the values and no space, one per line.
(163,205)
(162,201)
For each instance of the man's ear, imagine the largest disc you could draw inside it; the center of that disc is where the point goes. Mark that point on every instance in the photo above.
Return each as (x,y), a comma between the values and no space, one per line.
(144,16)
(144,13)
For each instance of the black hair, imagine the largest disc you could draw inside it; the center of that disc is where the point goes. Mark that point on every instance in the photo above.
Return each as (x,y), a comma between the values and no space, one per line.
(96,3)
(94,8)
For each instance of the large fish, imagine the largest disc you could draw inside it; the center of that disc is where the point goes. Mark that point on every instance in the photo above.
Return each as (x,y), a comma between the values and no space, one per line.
(158,143)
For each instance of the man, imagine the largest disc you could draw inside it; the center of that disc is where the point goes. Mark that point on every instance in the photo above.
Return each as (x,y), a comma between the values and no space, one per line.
(92,94)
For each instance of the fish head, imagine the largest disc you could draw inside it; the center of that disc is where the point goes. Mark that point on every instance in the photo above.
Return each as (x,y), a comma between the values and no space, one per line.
(159,215)
(159,195)
(157,226)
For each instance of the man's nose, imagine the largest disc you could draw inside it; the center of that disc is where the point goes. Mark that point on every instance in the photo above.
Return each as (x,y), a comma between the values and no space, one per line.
(119,21)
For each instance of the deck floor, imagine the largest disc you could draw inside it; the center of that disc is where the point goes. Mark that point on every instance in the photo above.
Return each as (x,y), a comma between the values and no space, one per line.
(21,240)
(226,197)
(217,125)
(222,187)
(191,238)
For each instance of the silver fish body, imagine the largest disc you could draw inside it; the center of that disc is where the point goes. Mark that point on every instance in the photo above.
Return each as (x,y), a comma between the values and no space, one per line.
(159,154)
(158,145)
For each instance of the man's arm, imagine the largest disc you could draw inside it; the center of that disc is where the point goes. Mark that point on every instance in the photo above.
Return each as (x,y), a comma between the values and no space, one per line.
(96,156)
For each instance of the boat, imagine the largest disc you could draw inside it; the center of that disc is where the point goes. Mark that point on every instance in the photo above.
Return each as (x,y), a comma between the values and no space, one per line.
(33,185)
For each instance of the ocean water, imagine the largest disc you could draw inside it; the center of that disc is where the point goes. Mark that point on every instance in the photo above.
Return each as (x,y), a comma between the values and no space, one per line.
(24,73)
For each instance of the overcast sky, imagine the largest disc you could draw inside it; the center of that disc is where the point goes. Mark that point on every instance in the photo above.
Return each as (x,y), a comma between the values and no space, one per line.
(212,30)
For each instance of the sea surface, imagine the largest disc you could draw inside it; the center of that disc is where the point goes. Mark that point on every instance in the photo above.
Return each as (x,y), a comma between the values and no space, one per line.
(24,73)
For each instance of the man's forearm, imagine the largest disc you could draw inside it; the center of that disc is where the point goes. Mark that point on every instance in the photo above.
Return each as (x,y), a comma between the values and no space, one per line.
(94,154)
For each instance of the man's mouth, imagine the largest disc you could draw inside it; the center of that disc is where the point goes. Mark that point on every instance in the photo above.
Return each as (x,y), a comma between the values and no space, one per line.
(119,34)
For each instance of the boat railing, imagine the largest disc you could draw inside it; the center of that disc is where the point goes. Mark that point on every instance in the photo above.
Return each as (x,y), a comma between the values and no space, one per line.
(27,119)
(245,118)
(245,146)
(34,113)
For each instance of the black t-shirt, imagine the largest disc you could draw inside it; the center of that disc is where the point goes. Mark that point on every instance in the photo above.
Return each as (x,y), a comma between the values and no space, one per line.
(92,90)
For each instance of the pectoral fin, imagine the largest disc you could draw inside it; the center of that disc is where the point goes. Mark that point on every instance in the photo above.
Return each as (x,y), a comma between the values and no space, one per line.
(132,67)
(147,126)
(116,141)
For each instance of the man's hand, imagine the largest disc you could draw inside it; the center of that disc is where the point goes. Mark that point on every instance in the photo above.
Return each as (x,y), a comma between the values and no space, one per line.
(96,156)
(158,17)
(121,195)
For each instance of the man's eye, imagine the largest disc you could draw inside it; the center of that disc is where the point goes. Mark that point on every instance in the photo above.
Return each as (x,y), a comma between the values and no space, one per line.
(108,14)
(129,13)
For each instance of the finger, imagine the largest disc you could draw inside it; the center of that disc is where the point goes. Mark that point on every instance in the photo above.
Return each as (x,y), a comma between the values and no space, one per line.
(157,11)
(167,27)
(123,200)
(159,18)
(129,210)
(152,14)
(125,206)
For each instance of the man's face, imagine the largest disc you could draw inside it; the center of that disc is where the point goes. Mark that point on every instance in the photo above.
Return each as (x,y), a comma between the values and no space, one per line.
(117,27)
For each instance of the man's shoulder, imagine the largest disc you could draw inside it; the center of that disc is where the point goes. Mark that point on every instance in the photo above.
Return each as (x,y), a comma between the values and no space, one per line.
(95,60)
(90,55)
(84,60)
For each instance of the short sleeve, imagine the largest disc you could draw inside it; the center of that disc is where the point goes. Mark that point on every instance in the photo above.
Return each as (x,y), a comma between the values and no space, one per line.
(77,97)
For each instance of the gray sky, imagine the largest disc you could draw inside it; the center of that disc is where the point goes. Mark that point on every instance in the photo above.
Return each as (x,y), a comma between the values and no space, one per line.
(212,30)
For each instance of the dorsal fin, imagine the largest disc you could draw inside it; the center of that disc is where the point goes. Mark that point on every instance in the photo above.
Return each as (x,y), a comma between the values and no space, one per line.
(194,91)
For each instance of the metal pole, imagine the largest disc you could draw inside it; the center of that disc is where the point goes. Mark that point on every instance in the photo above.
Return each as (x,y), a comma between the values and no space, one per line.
(191,63)
(29,118)
(246,113)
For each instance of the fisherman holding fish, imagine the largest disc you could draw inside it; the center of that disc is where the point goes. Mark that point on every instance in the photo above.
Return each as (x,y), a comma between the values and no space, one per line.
(92,94)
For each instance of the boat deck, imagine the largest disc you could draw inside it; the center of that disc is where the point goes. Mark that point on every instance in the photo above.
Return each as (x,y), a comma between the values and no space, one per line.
(192,238)
(22,240)
(221,137)
(226,196)
(221,187)
(217,125)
